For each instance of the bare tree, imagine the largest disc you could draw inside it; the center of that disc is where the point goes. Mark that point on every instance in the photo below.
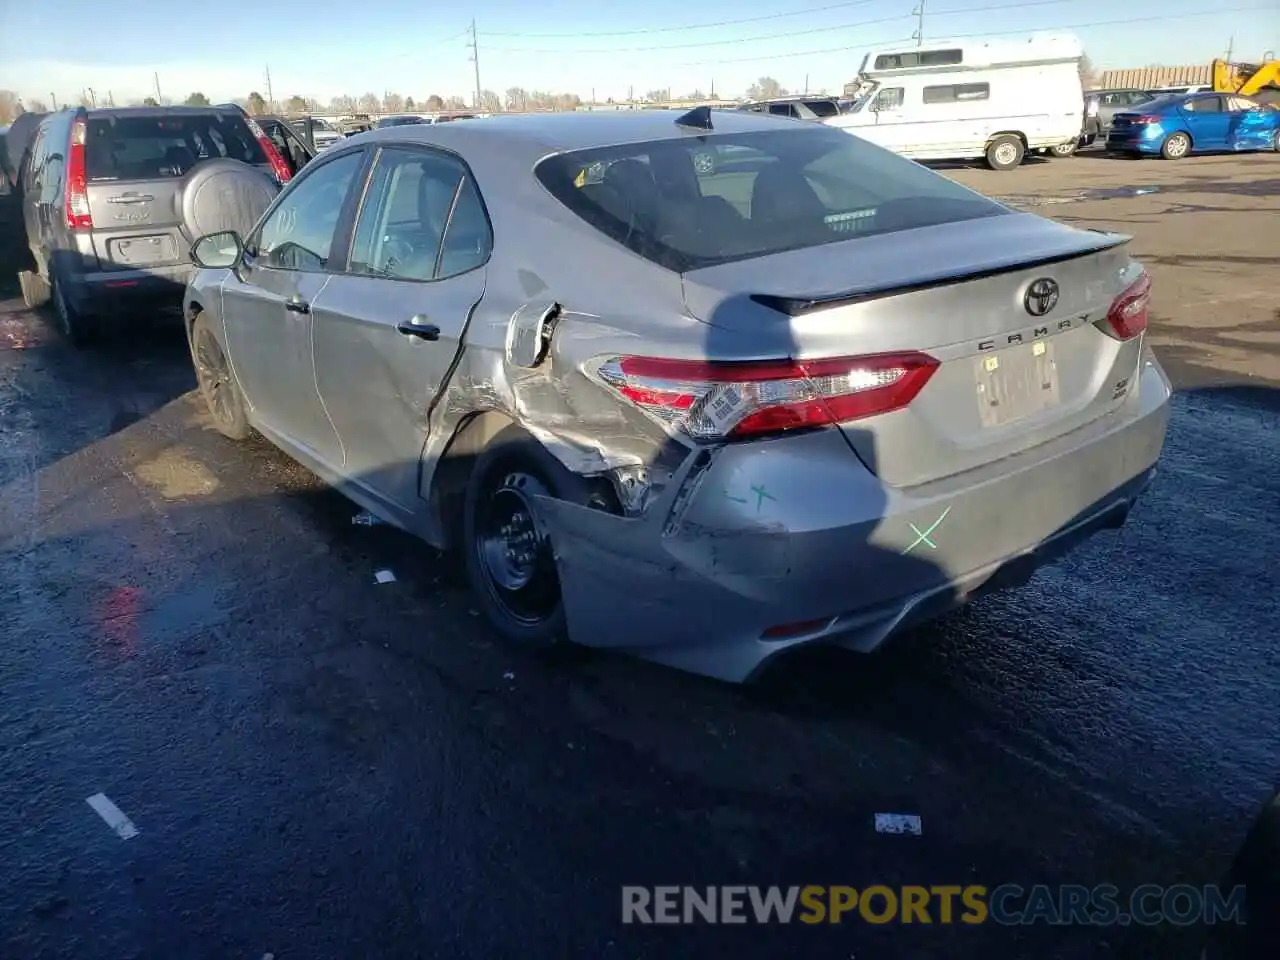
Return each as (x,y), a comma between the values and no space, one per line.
(369,103)
(409,105)
(10,106)
(696,95)
(490,102)
(434,102)
(517,99)
(197,100)
(86,102)
(766,88)
(342,105)
(393,103)
(455,103)
(150,102)
(257,105)
(657,96)
(295,104)
(1087,73)
(38,106)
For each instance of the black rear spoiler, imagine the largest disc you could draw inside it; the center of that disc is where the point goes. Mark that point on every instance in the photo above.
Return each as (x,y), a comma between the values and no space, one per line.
(798,306)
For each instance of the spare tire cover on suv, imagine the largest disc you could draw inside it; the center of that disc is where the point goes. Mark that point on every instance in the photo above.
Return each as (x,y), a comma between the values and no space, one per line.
(222,194)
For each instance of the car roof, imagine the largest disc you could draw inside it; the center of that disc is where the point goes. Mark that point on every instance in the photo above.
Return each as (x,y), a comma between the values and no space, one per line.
(536,134)
(125,112)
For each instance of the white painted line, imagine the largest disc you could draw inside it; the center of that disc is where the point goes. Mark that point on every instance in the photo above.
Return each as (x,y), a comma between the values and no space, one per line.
(898,823)
(113,815)
(385,576)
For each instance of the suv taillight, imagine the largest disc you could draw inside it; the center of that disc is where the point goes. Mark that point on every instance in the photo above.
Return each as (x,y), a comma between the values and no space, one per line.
(77,200)
(712,401)
(1128,314)
(278,165)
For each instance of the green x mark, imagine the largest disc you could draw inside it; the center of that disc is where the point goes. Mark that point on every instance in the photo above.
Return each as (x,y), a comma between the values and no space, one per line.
(924,537)
(761,496)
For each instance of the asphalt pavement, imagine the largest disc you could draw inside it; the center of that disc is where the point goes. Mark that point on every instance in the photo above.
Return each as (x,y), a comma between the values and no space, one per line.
(314,764)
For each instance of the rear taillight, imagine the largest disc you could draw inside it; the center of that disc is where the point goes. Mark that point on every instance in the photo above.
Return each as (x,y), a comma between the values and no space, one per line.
(736,400)
(1146,118)
(1128,314)
(77,201)
(278,165)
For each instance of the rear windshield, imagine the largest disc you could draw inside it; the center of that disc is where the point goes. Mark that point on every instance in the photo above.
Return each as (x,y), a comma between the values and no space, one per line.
(693,202)
(823,108)
(149,148)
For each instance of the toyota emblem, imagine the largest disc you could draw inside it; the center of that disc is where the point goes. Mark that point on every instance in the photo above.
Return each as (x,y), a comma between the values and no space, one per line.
(1042,296)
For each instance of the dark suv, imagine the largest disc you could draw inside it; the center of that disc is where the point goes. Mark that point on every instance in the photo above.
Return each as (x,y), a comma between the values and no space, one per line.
(112,199)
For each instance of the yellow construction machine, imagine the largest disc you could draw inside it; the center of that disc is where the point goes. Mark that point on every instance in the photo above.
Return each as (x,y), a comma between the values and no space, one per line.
(1260,81)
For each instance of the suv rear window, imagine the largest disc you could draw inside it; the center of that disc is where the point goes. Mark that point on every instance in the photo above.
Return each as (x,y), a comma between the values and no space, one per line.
(149,148)
(691,202)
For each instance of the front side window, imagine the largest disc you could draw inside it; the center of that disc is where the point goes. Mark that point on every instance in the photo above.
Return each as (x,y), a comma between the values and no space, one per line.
(298,233)
(422,219)
(782,109)
(889,98)
(957,92)
(758,194)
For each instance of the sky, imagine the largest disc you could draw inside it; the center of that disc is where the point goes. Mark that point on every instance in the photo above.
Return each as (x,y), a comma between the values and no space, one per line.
(334,47)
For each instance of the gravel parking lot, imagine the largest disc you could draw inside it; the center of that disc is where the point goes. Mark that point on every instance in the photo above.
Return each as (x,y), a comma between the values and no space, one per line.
(318,765)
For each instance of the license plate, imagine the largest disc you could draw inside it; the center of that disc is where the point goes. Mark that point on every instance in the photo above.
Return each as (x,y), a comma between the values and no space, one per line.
(1016,383)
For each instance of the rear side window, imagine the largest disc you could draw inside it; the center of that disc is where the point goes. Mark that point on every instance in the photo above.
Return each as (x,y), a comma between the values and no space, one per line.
(1204,105)
(154,147)
(956,92)
(690,202)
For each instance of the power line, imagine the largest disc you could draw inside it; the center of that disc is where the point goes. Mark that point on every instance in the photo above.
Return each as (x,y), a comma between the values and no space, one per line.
(772,37)
(845,48)
(688,26)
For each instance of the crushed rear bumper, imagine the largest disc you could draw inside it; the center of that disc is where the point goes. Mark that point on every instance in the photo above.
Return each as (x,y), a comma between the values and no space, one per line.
(765,546)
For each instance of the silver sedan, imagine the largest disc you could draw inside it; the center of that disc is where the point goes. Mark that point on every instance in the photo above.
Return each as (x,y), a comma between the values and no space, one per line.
(701,387)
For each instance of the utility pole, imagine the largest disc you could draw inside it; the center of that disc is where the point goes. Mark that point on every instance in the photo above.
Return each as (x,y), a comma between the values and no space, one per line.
(475,58)
(918,13)
(271,100)
(93,99)
(54,98)
(1231,46)
(111,100)
(806,83)
(156,78)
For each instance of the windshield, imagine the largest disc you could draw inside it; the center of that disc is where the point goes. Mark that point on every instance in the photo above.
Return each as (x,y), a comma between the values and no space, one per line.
(692,202)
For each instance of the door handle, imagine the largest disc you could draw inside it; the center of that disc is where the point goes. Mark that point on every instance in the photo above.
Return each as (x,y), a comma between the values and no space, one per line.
(296,304)
(419,327)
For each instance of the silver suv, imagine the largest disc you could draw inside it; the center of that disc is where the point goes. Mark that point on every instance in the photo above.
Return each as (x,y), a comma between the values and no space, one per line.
(111,201)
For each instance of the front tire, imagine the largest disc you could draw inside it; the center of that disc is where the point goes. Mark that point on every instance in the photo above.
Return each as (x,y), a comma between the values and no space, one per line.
(1175,146)
(1005,153)
(218,386)
(1064,149)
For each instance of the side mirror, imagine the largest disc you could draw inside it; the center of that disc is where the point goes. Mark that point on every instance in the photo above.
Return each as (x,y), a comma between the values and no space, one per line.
(217,251)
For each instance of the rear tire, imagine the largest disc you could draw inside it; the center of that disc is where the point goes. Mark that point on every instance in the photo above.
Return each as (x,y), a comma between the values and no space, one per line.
(509,557)
(1005,152)
(218,386)
(71,322)
(35,292)
(1175,146)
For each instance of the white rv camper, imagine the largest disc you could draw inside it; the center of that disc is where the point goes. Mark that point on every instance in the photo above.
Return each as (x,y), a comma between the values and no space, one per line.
(968,100)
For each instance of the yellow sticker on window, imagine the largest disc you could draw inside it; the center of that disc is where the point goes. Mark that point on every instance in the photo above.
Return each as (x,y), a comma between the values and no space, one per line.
(990,363)
(1038,348)
(581,179)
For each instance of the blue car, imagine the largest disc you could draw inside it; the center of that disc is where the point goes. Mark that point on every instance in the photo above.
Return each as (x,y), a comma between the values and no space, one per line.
(1190,123)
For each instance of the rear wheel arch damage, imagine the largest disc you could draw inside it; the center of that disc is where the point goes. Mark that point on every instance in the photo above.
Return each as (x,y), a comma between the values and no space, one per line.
(500,474)
(223,400)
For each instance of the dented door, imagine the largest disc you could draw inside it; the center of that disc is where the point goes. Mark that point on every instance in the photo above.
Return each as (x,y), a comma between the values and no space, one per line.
(388,332)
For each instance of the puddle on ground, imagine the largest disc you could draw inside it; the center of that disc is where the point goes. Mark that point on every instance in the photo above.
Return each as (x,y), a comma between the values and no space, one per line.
(1102,193)
(176,475)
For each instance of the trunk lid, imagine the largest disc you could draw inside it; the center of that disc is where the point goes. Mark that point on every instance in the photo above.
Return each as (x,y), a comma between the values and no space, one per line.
(136,165)
(1009,377)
